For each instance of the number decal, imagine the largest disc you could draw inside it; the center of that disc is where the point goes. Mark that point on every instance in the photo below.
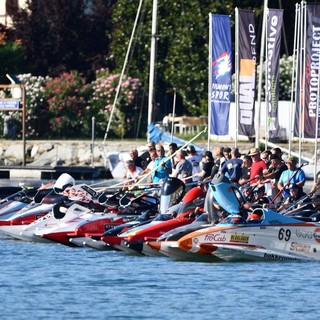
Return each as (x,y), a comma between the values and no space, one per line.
(284,234)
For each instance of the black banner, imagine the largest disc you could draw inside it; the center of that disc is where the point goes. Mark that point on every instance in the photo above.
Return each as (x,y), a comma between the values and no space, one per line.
(247,72)
(274,24)
(310,109)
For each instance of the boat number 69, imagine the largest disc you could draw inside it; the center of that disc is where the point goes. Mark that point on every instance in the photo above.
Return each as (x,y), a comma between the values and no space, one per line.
(284,234)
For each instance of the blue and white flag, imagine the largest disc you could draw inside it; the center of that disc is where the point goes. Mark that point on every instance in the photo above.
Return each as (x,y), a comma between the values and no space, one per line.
(219,74)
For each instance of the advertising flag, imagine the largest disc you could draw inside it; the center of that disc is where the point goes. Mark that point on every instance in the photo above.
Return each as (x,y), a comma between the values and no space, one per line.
(310,109)
(220,74)
(247,72)
(274,25)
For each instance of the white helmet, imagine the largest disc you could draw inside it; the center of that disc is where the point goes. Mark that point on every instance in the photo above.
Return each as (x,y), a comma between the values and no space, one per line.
(63,182)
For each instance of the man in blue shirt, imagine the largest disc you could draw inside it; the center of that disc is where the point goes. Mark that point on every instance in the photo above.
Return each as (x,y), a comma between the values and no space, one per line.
(163,165)
(291,176)
(232,168)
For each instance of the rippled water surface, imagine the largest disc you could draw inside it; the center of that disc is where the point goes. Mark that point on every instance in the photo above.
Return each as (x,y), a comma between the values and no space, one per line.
(51,281)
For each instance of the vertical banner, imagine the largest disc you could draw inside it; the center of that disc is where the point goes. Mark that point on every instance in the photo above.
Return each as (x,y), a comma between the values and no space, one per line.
(220,74)
(298,130)
(247,72)
(274,25)
(311,98)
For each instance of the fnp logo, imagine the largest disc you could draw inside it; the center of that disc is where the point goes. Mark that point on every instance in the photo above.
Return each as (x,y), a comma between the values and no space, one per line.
(222,65)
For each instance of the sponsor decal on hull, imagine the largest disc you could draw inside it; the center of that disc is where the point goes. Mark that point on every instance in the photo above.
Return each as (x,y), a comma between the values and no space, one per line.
(304,234)
(239,238)
(300,247)
(316,234)
(272,256)
(215,237)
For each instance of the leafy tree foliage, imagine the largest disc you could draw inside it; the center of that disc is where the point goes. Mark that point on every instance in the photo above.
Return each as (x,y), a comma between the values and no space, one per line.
(63,35)
(67,97)
(59,36)
(103,97)
(182,48)
(12,58)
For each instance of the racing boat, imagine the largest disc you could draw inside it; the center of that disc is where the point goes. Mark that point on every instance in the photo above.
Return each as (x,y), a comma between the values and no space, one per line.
(167,245)
(133,239)
(263,235)
(86,214)
(28,209)
(15,202)
(37,204)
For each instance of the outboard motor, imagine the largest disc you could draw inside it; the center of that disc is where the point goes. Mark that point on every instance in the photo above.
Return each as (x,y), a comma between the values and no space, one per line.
(172,192)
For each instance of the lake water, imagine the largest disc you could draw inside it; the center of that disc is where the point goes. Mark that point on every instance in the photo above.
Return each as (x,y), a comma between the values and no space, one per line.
(52,281)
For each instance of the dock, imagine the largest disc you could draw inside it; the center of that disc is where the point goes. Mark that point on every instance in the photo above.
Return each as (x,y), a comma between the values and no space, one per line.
(49,173)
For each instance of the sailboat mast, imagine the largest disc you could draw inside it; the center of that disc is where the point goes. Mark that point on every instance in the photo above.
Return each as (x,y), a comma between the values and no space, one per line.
(152,61)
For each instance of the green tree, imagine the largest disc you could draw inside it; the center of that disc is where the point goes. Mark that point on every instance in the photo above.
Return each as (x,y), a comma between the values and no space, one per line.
(182,48)
(63,35)
(12,57)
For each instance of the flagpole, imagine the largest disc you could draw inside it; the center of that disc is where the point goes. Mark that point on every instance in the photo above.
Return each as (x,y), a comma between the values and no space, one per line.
(294,82)
(152,62)
(209,78)
(173,113)
(267,89)
(262,47)
(237,73)
(303,64)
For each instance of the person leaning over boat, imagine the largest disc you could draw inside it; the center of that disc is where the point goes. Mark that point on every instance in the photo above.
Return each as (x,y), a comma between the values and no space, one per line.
(172,149)
(162,165)
(259,197)
(258,165)
(138,161)
(150,166)
(219,160)
(277,151)
(295,194)
(227,153)
(207,163)
(265,156)
(232,168)
(195,160)
(133,172)
(246,169)
(291,175)
(272,175)
(145,156)
(183,168)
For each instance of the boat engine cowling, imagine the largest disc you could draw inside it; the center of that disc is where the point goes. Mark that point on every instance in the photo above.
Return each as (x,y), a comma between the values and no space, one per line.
(172,192)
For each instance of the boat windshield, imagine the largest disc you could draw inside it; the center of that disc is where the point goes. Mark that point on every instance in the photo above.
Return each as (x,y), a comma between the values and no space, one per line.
(233,220)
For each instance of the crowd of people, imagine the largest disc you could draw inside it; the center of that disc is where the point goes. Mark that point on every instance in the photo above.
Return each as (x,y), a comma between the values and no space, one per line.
(264,177)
